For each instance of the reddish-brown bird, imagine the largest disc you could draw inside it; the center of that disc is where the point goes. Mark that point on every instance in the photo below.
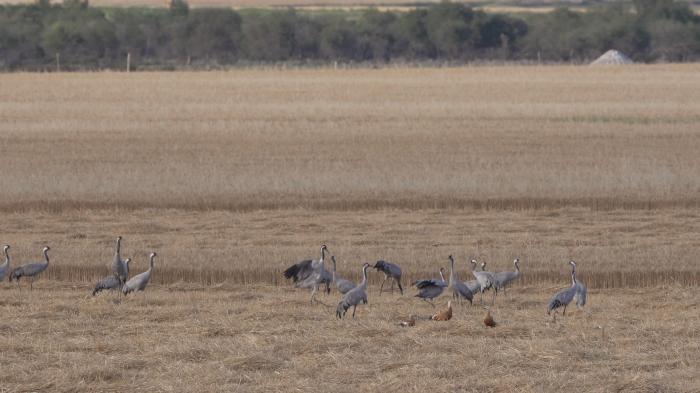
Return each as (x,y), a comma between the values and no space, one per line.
(488,319)
(444,315)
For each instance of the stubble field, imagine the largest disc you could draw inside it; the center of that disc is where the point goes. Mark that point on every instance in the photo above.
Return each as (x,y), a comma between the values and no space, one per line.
(232,176)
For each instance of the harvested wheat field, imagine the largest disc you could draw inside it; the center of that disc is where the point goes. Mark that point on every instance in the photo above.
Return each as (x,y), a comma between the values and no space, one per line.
(233,176)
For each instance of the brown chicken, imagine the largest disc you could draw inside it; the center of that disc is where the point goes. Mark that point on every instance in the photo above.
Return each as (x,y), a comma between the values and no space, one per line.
(488,319)
(411,321)
(444,315)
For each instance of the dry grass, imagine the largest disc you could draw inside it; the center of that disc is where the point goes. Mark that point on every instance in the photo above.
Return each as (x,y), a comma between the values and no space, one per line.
(232,176)
(619,249)
(261,338)
(494,137)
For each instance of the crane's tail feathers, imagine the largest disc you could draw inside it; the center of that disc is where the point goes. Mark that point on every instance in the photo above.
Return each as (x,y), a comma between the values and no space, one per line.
(291,272)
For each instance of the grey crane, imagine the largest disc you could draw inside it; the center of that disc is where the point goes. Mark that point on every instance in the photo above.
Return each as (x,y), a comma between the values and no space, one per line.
(473,285)
(119,266)
(505,278)
(354,296)
(486,281)
(344,286)
(309,273)
(111,282)
(581,291)
(5,266)
(459,289)
(564,296)
(390,270)
(430,289)
(139,281)
(30,270)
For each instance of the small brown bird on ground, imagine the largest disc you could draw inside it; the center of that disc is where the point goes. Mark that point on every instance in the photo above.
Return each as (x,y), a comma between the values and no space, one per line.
(488,319)
(411,321)
(444,315)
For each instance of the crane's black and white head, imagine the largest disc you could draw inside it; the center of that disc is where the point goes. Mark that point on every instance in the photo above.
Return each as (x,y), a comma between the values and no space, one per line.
(153,254)
(365,265)
(483,265)
(324,247)
(126,262)
(451,258)
(572,263)
(46,248)
(7,247)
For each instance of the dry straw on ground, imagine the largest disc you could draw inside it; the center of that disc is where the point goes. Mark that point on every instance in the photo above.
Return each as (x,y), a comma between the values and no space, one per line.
(233,176)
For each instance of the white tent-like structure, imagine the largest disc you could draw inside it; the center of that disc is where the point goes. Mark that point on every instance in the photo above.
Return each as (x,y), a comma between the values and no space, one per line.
(612,57)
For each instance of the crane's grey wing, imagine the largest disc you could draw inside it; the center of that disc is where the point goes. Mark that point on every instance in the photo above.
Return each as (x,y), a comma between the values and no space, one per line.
(344,286)
(394,270)
(420,284)
(473,285)
(109,282)
(299,271)
(463,291)
(562,298)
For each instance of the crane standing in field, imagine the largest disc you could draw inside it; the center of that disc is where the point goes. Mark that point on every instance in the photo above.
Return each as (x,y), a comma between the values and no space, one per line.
(459,289)
(354,297)
(581,291)
(505,278)
(31,270)
(111,282)
(486,281)
(308,273)
(392,271)
(564,296)
(473,285)
(5,266)
(139,281)
(430,289)
(119,266)
(344,286)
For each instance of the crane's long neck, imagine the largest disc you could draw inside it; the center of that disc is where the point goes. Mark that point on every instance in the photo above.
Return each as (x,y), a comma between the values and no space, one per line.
(46,256)
(573,276)
(7,258)
(452,270)
(119,247)
(152,263)
(363,284)
(333,269)
(517,266)
(442,276)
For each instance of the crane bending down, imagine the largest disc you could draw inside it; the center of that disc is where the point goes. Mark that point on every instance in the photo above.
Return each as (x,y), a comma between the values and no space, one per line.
(430,289)
(459,289)
(119,267)
(390,270)
(308,273)
(505,278)
(344,286)
(354,297)
(139,281)
(564,296)
(30,270)
(5,266)
(110,282)
(486,281)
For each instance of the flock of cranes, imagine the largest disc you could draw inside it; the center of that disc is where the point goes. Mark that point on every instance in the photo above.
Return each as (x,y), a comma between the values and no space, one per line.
(312,274)
(118,280)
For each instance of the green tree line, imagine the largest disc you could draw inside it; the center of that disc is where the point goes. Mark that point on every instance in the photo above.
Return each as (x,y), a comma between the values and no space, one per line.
(37,36)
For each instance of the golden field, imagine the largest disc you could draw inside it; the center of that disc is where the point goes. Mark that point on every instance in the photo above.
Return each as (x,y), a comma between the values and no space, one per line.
(233,176)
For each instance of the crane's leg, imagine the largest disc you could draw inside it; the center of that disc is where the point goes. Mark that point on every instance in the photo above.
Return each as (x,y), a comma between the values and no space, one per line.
(31,284)
(564,313)
(398,281)
(494,298)
(19,286)
(353,311)
(392,287)
(381,287)
(313,293)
